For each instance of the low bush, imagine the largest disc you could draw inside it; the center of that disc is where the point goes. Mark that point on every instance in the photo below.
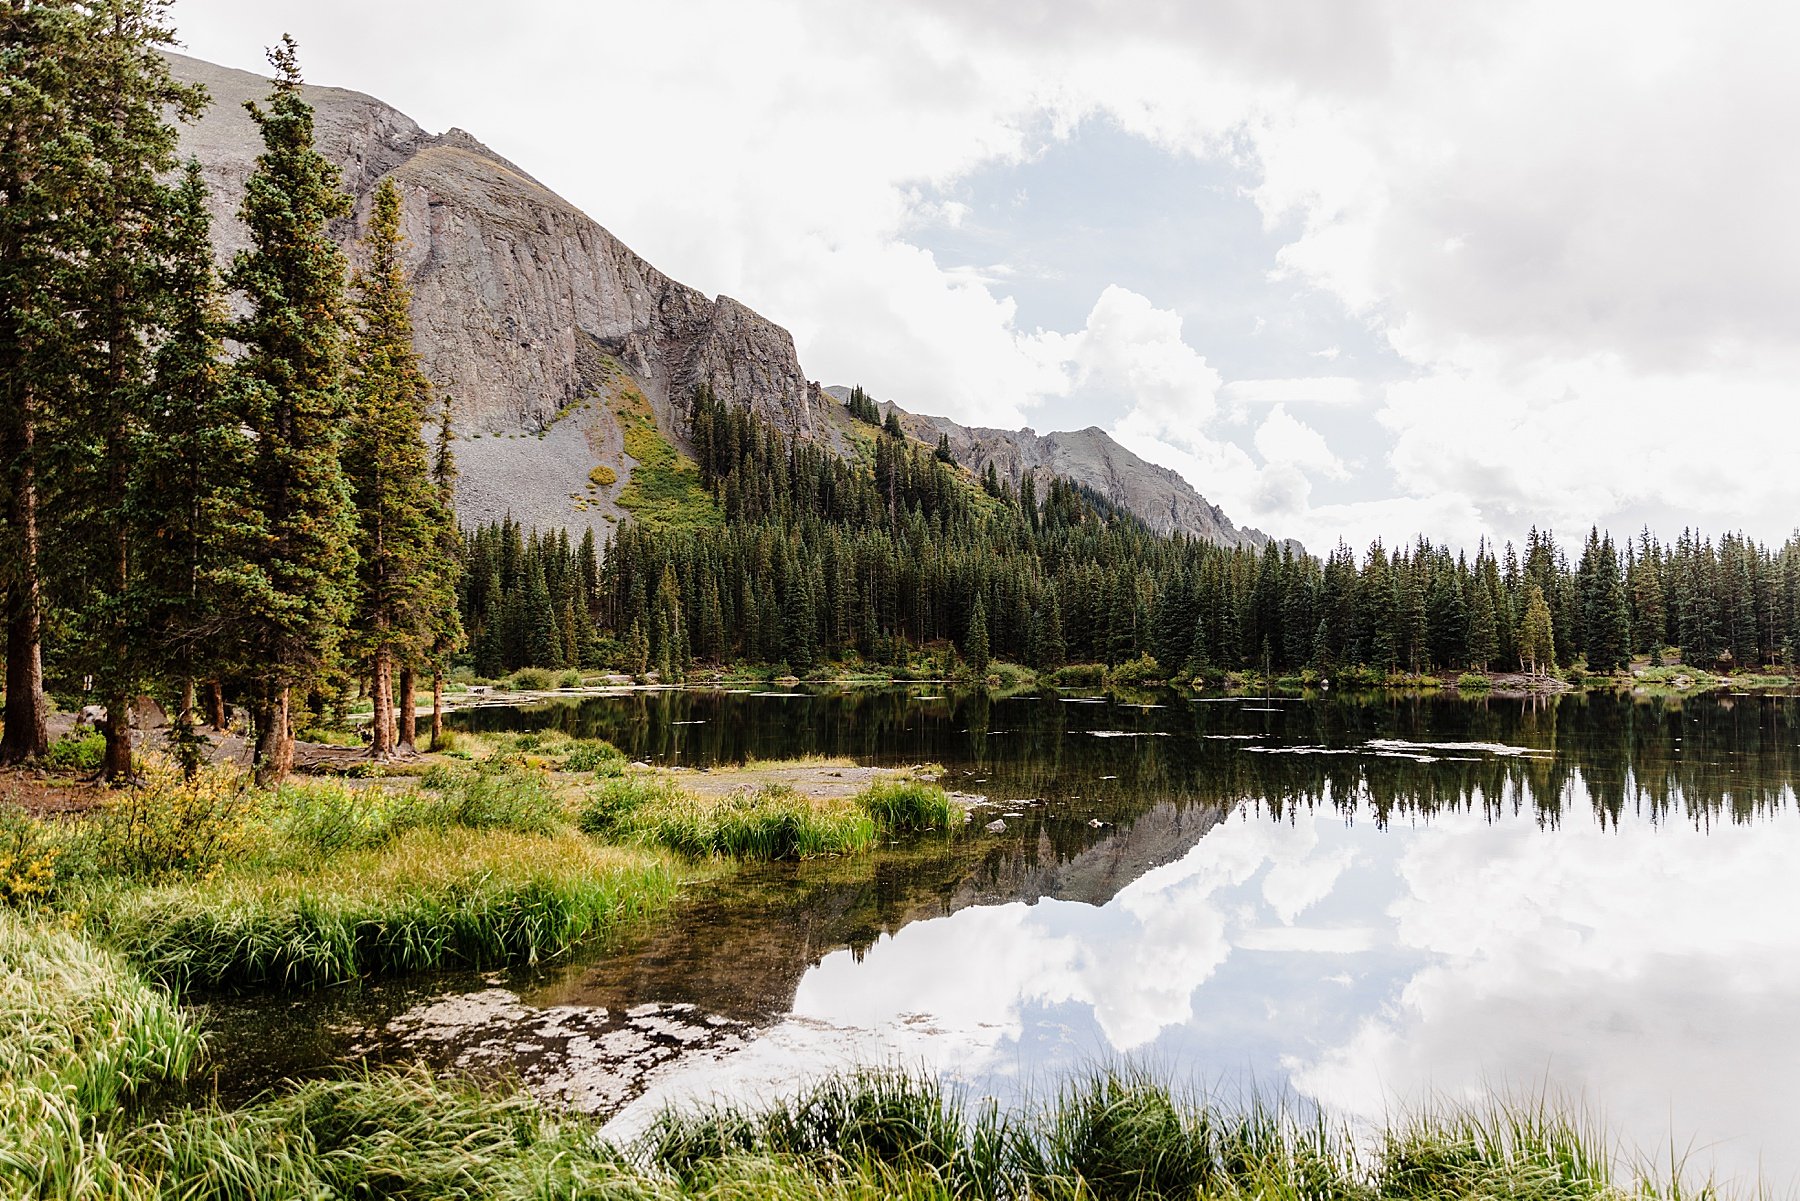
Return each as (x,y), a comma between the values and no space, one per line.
(533,679)
(1470,681)
(29,855)
(594,755)
(165,824)
(1136,672)
(569,679)
(76,752)
(1079,675)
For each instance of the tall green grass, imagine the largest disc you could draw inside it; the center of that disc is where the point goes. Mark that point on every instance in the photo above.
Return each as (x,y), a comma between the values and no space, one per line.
(427,899)
(869,1135)
(773,822)
(79,1031)
(910,805)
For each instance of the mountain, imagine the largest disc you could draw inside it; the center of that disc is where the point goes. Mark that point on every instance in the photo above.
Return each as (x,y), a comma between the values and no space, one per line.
(549,333)
(1161,498)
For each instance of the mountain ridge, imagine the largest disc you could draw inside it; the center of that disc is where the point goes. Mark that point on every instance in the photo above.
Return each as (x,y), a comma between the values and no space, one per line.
(525,309)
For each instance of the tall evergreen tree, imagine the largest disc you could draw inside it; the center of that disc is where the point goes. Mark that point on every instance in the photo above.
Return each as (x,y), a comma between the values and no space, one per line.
(42,145)
(98,427)
(399,576)
(190,491)
(1537,635)
(295,340)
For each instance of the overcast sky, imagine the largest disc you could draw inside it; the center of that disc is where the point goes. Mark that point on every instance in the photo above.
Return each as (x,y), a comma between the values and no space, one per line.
(1354,267)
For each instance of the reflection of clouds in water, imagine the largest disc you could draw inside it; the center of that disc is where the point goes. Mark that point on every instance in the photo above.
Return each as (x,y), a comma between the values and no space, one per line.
(1650,971)
(976,995)
(1647,972)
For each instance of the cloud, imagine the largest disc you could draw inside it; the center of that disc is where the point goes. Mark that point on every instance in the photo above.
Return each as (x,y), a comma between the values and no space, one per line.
(1570,221)
(1325,389)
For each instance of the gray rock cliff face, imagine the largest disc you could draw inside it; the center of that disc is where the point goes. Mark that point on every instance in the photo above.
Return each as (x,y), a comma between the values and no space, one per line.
(518,297)
(521,302)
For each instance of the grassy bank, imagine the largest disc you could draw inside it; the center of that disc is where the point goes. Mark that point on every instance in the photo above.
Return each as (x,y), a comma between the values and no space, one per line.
(403,1134)
(428,899)
(79,1033)
(771,822)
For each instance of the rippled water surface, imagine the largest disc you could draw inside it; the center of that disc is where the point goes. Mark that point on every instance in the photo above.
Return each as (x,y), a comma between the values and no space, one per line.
(1356,902)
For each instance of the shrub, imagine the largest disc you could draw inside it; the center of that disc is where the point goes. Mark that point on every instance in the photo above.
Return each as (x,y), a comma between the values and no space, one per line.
(569,679)
(595,755)
(167,824)
(899,805)
(1079,675)
(603,476)
(76,752)
(533,679)
(1141,670)
(28,858)
(1470,681)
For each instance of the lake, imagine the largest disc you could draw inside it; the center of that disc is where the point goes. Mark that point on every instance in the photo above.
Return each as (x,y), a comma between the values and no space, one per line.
(1356,902)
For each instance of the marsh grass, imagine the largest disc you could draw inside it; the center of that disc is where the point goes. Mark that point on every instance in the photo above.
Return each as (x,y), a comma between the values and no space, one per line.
(426,899)
(771,822)
(910,805)
(1123,1134)
(865,1135)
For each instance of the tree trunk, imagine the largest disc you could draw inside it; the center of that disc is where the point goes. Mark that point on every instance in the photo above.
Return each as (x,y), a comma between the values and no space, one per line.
(274,741)
(437,708)
(215,703)
(26,735)
(409,723)
(381,721)
(116,764)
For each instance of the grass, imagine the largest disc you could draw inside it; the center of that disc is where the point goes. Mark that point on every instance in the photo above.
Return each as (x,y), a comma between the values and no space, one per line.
(772,822)
(910,805)
(664,490)
(79,1032)
(426,899)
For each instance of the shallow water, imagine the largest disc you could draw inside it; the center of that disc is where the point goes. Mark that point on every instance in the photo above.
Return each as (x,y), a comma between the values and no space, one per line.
(1356,902)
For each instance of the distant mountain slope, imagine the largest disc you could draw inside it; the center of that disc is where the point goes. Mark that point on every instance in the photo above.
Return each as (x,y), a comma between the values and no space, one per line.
(1164,500)
(544,327)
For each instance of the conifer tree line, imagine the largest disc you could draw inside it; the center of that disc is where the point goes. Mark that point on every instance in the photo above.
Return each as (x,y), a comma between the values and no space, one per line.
(178,518)
(820,558)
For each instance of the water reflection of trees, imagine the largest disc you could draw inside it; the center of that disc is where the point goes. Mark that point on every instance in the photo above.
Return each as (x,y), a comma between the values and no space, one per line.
(1702,760)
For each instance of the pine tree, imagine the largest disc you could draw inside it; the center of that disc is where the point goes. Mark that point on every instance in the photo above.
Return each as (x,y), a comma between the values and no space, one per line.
(97,427)
(399,576)
(293,372)
(42,47)
(975,643)
(1537,636)
(1484,625)
(448,633)
(191,488)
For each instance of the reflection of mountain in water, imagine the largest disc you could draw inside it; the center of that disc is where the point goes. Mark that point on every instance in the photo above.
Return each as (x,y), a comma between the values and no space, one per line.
(741,949)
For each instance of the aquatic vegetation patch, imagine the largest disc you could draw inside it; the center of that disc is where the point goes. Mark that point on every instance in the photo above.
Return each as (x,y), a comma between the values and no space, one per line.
(910,805)
(771,822)
(427,899)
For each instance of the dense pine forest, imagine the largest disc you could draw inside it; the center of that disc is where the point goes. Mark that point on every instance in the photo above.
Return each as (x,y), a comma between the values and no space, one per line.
(817,559)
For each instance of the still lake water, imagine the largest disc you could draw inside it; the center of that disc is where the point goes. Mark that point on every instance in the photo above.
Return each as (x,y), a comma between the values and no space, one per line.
(1356,902)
